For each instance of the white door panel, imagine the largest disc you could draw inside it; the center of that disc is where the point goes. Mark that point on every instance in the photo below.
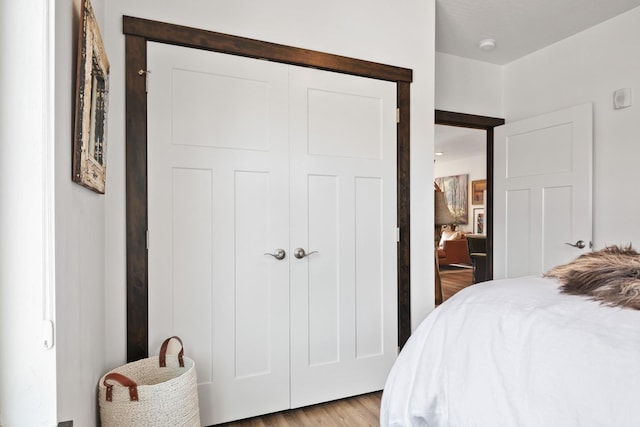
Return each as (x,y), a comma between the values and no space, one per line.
(542,191)
(246,157)
(198,110)
(343,172)
(218,200)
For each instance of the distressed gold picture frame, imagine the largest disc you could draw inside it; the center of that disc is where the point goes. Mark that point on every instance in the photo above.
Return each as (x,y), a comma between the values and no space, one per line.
(477,191)
(92,93)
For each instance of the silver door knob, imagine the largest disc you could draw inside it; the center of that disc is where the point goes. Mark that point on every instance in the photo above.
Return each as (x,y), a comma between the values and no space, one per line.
(580,244)
(300,253)
(278,254)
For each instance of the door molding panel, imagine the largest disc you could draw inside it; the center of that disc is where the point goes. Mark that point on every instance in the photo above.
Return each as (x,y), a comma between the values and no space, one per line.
(137,33)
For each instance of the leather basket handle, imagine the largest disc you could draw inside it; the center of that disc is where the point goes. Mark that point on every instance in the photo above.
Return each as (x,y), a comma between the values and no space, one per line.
(163,352)
(124,381)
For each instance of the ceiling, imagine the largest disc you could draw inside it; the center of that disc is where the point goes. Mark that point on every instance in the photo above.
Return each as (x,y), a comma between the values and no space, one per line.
(457,143)
(519,27)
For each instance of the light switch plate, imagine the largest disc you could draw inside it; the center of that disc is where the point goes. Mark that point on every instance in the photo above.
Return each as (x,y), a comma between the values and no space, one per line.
(622,98)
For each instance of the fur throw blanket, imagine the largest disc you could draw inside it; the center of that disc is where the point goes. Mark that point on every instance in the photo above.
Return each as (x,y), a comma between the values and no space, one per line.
(611,276)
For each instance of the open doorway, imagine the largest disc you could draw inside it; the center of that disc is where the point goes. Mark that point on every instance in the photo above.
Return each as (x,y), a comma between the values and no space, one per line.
(460,171)
(484,137)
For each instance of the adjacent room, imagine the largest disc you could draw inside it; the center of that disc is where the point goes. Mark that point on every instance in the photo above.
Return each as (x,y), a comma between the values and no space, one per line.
(460,163)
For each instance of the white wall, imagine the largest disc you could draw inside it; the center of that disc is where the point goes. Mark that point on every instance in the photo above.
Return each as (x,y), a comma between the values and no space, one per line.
(400,34)
(472,87)
(475,167)
(589,67)
(27,369)
(80,243)
(468,86)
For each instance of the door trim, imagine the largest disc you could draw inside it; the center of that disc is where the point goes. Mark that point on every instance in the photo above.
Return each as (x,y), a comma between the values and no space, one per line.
(137,33)
(472,121)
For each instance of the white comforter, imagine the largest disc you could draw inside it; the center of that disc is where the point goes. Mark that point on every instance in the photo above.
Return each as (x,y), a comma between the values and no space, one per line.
(518,353)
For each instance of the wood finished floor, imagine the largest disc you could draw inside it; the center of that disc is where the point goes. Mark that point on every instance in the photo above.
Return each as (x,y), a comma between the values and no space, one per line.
(359,411)
(454,279)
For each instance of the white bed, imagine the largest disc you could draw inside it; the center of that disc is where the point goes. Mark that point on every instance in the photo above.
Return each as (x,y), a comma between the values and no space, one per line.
(518,353)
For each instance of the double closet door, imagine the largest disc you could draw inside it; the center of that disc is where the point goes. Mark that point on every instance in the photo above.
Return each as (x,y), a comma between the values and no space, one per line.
(272,228)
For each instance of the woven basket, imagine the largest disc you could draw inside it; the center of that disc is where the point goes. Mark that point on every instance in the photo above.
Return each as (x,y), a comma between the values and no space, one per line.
(153,392)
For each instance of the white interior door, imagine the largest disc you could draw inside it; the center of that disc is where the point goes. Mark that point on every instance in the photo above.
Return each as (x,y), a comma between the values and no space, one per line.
(542,191)
(218,201)
(343,205)
(246,157)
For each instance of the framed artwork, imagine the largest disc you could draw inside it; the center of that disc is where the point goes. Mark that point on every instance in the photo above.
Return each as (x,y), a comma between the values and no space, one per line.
(478,221)
(456,192)
(477,191)
(92,91)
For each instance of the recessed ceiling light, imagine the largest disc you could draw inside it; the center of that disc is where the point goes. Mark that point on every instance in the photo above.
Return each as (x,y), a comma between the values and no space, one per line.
(487,44)
(439,153)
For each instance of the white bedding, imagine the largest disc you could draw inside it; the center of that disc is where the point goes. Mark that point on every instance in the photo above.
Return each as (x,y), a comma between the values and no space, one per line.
(517,353)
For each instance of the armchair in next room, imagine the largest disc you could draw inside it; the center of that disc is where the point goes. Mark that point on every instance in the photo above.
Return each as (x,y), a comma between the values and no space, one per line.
(453,252)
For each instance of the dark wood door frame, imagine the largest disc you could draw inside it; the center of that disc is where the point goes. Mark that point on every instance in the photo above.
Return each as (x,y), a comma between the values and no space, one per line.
(140,31)
(487,123)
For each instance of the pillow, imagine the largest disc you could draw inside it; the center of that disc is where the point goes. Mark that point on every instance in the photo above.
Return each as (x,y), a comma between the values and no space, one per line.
(449,235)
(610,276)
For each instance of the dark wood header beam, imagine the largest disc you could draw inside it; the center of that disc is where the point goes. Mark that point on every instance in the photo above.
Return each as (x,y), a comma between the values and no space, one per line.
(225,43)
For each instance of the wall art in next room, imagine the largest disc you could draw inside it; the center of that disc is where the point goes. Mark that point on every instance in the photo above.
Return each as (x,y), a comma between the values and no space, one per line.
(456,190)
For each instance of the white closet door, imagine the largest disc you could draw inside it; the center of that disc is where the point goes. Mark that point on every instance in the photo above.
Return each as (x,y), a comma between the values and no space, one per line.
(343,208)
(218,201)
(245,160)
